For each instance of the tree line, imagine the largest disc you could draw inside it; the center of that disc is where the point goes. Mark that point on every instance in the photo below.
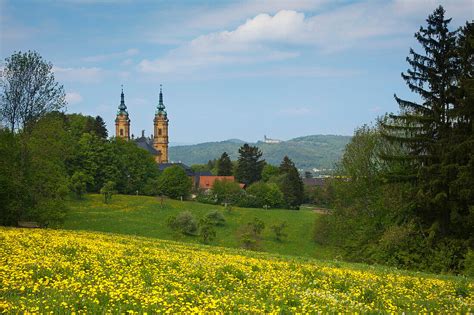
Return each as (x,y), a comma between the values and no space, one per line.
(265,185)
(405,191)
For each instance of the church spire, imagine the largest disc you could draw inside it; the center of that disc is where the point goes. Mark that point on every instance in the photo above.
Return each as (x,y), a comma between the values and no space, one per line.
(160,109)
(122,107)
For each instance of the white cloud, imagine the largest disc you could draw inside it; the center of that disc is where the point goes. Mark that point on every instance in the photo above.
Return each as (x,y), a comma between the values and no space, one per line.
(246,44)
(283,35)
(104,57)
(73,98)
(82,74)
(236,12)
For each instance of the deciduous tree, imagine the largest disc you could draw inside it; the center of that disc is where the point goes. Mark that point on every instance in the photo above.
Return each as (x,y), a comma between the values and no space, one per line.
(29,89)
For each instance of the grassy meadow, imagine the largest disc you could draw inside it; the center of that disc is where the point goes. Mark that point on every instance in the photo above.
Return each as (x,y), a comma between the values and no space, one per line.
(60,272)
(144,216)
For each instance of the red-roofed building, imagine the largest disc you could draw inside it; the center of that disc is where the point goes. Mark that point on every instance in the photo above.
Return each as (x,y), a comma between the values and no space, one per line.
(205,182)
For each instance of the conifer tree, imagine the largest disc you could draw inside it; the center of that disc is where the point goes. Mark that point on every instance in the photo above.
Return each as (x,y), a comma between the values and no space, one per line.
(291,184)
(424,129)
(100,128)
(224,165)
(249,165)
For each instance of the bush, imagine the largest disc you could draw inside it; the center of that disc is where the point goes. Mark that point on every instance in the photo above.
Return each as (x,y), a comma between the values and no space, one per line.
(151,187)
(184,222)
(226,191)
(208,233)
(215,218)
(249,234)
(78,183)
(48,213)
(256,226)
(108,191)
(266,194)
(278,229)
(469,263)
(208,198)
(248,201)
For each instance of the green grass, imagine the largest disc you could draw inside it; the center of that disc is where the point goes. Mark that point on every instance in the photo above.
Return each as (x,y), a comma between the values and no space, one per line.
(144,216)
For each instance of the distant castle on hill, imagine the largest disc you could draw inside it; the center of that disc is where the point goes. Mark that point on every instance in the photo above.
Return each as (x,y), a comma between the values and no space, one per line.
(271,141)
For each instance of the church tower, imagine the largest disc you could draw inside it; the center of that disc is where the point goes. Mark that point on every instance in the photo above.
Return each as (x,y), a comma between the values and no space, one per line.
(160,140)
(122,122)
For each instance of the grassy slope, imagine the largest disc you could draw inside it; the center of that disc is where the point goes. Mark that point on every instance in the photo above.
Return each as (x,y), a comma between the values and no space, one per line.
(143,216)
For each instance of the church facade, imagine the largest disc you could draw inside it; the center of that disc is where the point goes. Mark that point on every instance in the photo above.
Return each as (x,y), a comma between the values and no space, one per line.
(157,145)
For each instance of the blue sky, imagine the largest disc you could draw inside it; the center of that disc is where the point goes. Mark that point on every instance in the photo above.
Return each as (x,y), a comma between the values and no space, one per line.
(229,69)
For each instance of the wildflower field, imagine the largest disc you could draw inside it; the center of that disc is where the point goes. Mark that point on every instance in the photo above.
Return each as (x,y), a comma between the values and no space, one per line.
(59,271)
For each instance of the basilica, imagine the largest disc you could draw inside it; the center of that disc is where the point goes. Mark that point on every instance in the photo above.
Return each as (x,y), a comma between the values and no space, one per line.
(157,145)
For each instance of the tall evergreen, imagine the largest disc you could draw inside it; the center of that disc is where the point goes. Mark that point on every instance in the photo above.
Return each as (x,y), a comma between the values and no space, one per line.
(424,129)
(291,184)
(249,165)
(458,163)
(224,165)
(100,128)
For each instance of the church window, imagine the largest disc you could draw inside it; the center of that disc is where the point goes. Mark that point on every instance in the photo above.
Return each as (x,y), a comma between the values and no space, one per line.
(121,132)
(159,132)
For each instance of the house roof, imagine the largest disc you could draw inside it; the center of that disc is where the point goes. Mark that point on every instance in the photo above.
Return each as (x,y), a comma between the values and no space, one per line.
(206,182)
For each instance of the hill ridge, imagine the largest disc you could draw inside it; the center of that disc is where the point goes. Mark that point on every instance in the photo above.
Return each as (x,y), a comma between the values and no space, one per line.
(312,151)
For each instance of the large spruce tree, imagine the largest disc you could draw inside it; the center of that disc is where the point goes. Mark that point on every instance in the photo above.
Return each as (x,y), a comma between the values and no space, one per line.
(224,165)
(249,165)
(291,183)
(425,128)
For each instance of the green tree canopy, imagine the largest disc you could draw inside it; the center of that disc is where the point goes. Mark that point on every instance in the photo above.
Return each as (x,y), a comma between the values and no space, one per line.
(174,183)
(226,191)
(29,89)
(250,165)
(224,165)
(269,171)
(267,194)
(291,183)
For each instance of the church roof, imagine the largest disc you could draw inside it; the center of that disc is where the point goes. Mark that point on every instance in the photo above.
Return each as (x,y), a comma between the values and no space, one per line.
(147,144)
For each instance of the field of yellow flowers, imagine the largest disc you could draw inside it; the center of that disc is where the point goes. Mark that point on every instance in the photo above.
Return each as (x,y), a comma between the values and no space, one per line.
(54,271)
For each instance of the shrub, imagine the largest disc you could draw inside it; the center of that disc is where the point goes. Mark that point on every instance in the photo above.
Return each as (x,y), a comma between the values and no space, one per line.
(247,238)
(278,229)
(469,263)
(266,194)
(204,197)
(184,222)
(249,234)
(151,187)
(78,183)
(248,201)
(256,226)
(215,218)
(226,191)
(108,191)
(208,233)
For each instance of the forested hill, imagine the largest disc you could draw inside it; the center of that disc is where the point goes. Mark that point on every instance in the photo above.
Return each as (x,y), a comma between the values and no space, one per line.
(320,151)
